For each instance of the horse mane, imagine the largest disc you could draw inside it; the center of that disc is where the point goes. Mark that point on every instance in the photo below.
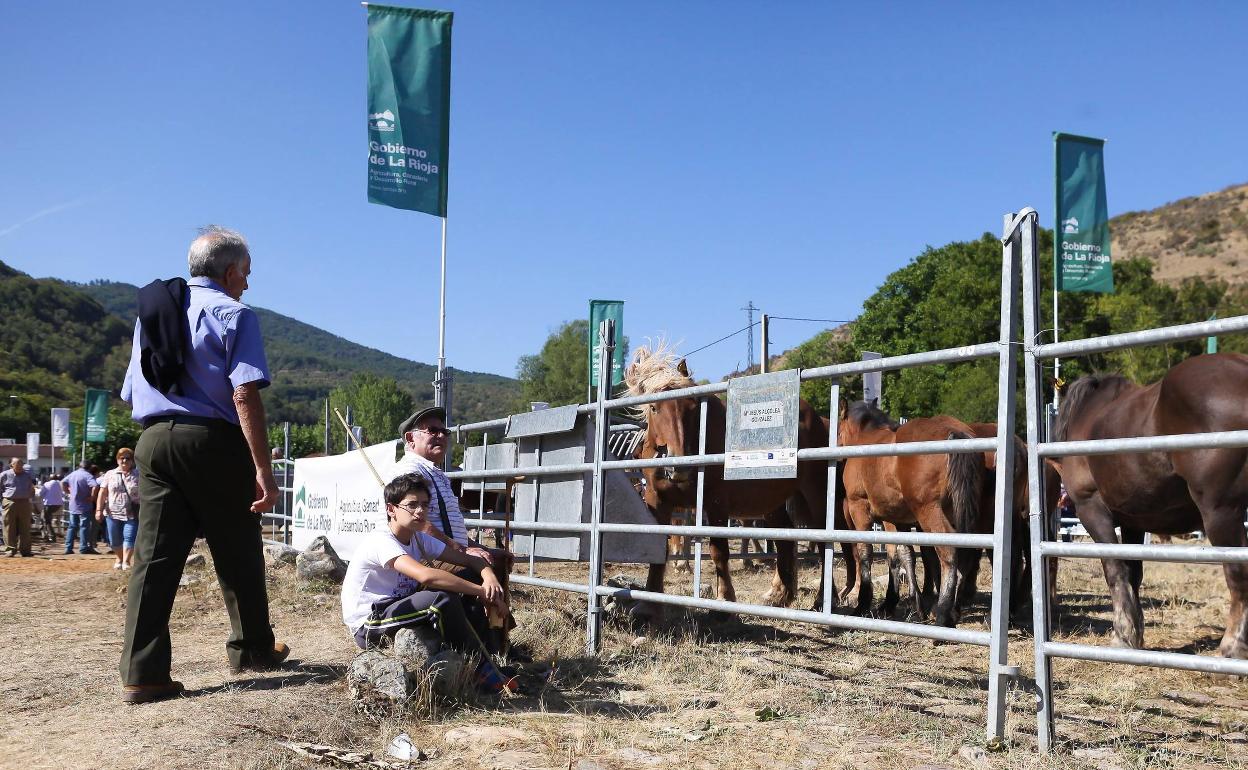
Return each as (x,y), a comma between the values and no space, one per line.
(868,415)
(654,369)
(1076,398)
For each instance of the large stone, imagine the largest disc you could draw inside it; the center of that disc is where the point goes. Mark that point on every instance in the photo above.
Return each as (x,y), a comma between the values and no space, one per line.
(320,562)
(410,650)
(377,677)
(485,736)
(276,555)
(196,561)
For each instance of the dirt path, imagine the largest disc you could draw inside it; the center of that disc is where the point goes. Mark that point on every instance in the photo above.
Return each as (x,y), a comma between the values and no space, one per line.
(697,693)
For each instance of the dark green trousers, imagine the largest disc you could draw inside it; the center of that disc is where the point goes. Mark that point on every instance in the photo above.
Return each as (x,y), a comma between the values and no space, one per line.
(193,479)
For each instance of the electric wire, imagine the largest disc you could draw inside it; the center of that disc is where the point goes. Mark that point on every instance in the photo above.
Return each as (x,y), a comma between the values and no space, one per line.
(721,339)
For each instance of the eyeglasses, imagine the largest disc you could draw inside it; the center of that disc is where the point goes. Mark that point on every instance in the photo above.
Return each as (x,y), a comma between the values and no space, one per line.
(433,431)
(125,459)
(417,508)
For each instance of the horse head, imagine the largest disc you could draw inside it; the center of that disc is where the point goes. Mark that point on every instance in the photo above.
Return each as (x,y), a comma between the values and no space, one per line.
(860,417)
(671,425)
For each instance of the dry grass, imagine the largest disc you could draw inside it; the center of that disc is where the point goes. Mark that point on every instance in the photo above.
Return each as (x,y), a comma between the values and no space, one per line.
(688,694)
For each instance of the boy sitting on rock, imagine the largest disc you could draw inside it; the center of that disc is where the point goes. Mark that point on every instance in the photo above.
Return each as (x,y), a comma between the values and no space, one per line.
(392,583)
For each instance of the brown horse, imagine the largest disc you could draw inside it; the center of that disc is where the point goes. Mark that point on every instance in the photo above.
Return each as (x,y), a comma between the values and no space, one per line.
(1162,492)
(672,431)
(937,493)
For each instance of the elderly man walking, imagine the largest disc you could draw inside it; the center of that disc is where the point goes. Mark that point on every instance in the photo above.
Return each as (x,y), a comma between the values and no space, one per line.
(18,488)
(196,369)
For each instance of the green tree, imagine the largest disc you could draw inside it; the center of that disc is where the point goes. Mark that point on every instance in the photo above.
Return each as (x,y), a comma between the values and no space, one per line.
(559,374)
(305,440)
(824,349)
(377,404)
(950,296)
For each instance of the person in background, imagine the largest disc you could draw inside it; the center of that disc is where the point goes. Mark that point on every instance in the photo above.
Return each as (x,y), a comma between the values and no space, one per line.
(53,498)
(80,488)
(17,487)
(117,507)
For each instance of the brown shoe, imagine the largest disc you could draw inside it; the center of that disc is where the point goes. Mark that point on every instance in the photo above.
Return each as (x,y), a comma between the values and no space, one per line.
(148,693)
(264,661)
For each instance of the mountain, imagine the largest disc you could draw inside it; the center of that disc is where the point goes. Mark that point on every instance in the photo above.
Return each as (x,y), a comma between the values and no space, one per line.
(307,362)
(62,337)
(1202,236)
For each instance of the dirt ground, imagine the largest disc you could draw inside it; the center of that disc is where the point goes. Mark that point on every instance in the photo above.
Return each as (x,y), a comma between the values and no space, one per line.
(697,692)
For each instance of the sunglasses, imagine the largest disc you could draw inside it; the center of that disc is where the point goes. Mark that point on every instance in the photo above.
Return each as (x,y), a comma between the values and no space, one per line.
(433,431)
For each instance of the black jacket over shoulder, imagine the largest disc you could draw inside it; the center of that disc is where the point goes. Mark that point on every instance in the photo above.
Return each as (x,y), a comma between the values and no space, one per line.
(164,333)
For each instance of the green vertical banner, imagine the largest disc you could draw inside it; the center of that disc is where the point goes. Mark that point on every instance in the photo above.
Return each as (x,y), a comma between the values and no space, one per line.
(601,310)
(1081,237)
(95,418)
(409,107)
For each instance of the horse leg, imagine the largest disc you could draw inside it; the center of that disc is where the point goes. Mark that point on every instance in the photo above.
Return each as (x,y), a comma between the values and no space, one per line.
(784,583)
(907,564)
(1224,526)
(646,611)
(859,515)
(968,567)
(723,580)
(1135,567)
(1128,616)
(893,595)
(931,578)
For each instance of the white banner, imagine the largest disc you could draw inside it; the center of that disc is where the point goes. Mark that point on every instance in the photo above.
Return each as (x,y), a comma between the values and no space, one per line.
(338,497)
(60,427)
(32,446)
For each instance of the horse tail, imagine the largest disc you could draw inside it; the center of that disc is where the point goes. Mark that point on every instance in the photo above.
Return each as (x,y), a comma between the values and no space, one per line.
(964,483)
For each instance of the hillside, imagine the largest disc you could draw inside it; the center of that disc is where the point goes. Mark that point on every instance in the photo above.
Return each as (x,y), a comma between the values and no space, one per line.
(63,337)
(1202,236)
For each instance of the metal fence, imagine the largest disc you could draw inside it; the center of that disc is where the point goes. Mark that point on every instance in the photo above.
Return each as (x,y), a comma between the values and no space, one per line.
(1000,673)
(278,520)
(1043,545)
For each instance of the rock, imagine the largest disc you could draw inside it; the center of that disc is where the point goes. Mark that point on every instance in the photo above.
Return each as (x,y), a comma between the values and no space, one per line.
(587,764)
(374,676)
(514,760)
(1187,697)
(1235,737)
(975,755)
(956,710)
(638,642)
(640,757)
(480,736)
(189,580)
(276,555)
(403,748)
(410,651)
(196,561)
(932,767)
(320,562)
(444,670)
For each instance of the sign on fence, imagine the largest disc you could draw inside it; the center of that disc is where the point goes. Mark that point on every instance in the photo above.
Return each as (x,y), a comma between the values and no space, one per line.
(761,438)
(338,497)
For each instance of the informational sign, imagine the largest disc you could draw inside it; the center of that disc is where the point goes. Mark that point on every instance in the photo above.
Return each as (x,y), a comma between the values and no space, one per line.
(60,427)
(32,446)
(1081,238)
(338,497)
(409,107)
(96,416)
(602,310)
(872,382)
(761,437)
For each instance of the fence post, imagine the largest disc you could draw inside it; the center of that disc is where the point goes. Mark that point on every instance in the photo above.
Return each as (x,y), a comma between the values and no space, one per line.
(287,492)
(1000,673)
(829,519)
(1038,520)
(697,512)
(606,349)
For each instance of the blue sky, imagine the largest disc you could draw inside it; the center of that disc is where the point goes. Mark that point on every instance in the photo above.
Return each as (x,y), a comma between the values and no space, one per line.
(684,157)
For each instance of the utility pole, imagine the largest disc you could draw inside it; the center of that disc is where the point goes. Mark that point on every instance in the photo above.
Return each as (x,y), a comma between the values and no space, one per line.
(762,364)
(749,334)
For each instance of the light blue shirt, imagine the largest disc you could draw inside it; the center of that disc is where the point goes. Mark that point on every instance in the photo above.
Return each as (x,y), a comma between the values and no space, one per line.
(226,352)
(80,484)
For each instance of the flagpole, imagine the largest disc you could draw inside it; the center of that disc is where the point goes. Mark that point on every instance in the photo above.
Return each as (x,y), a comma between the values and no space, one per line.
(440,389)
(1057,236)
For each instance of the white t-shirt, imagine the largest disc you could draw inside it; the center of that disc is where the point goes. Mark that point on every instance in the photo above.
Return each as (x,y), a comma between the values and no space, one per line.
(370,578)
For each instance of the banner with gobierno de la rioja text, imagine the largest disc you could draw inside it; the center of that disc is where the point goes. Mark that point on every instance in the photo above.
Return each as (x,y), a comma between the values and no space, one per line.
(409,107)
(1081,237)
(95,416)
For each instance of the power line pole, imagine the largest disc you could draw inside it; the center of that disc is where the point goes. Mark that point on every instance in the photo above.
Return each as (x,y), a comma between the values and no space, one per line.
(749,334)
